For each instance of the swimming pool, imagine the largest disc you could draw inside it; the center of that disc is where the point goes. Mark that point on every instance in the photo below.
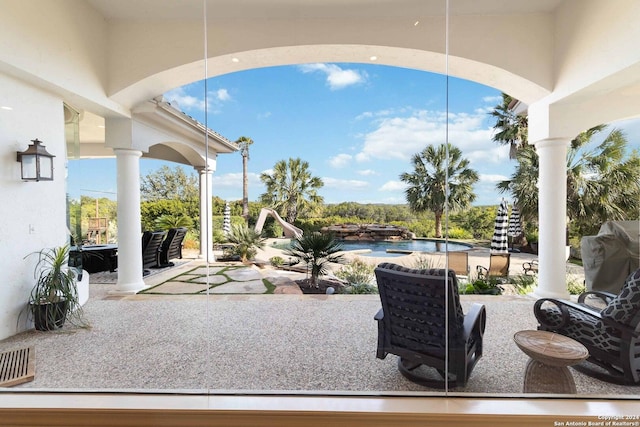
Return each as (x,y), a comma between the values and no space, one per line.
(387,248)
(382,248)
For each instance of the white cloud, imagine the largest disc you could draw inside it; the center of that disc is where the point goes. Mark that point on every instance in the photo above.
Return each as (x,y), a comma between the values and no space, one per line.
(182,100)
(337,77)
(341,160)
(497,99)
(350,184)
(411,134)
(234,180)
(492,178)
(265,115)
(223,95)
(367,172)
(393,186)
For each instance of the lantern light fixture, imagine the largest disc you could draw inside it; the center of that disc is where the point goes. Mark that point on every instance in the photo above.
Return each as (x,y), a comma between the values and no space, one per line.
(36,163)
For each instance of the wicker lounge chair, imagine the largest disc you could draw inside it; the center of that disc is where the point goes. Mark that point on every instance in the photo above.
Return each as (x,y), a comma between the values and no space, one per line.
(171,246)
(612,334)
(151,242)
(411,325)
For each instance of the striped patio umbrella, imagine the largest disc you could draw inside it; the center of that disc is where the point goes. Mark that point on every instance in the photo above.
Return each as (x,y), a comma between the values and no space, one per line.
(515,226)
(226,225)
(499,242)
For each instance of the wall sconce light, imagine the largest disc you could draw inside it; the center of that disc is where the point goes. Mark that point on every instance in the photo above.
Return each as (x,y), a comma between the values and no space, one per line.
(36,163)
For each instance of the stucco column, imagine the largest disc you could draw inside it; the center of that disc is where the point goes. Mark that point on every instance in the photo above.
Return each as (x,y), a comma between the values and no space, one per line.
(552,217)
(129,228)
(206,207)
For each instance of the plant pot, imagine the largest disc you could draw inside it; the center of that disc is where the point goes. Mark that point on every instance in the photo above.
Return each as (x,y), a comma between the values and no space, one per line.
(49,316)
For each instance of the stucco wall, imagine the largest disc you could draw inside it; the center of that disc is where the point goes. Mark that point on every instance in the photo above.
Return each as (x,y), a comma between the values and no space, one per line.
(32,214)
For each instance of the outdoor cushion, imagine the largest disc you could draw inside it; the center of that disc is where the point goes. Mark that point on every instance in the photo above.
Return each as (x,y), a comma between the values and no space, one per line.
(626,304)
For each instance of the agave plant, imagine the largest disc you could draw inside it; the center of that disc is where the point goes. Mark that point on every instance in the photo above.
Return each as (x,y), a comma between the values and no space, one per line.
(247,241)
(55,294)
(317,250)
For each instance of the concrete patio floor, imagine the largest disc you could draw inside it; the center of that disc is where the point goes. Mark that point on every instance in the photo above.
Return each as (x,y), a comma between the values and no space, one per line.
(260,344)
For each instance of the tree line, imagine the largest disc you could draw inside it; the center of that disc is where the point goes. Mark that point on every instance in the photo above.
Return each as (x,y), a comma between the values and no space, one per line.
(603,183)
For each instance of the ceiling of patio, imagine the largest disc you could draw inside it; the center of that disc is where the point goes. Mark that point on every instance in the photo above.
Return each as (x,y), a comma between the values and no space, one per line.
(172,10)
(511,45)
(156,45)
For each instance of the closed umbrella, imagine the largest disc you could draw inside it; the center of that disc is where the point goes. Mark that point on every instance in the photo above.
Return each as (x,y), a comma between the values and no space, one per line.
(499,242)
(226,225)
(515,226)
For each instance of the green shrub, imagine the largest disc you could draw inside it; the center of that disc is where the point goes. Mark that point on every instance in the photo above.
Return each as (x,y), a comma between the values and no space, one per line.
(276,261)
(481,286)
(575,286)
(360,289)
(531,235)
(191,240)
(218,236)
(317,251)
(358,272)
(525,283)
(425,262)
(246,240)
(459,233)
(167,221)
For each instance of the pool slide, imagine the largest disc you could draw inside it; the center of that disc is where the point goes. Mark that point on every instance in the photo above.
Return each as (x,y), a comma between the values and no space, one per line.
(290,230)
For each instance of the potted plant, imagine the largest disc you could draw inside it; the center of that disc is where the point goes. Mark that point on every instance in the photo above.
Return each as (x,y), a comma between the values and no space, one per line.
(55,295)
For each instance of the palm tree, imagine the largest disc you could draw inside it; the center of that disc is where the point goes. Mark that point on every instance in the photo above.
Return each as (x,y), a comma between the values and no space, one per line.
(244,143)
(523,184)
(247,241)
(317,250)
(291,190)
(602,183)
(510,127)
(428,184)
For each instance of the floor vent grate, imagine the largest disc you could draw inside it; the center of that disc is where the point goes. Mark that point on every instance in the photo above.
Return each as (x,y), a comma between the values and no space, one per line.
(17,366)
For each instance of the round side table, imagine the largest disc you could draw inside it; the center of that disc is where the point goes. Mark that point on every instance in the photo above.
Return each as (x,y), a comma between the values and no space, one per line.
(551,354)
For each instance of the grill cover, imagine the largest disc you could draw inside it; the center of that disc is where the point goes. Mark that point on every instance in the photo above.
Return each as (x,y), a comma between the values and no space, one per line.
(611,256)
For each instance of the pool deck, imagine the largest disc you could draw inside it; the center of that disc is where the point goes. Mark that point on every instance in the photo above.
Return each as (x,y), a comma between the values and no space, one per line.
(477,256)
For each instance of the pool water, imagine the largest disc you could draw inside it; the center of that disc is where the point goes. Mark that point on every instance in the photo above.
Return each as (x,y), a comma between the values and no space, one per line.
(379,248)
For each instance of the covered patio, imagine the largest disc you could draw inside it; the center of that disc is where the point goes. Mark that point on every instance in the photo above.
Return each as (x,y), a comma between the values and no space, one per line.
(572,63)
(263,344)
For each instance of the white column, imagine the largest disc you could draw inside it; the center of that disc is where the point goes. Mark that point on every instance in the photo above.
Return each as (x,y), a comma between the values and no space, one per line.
(552,217)
(129,222)
(206,207)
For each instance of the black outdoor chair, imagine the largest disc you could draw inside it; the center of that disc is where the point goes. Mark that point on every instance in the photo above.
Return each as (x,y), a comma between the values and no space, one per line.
(151,242)
(611,334)
(412,325)
(172,246)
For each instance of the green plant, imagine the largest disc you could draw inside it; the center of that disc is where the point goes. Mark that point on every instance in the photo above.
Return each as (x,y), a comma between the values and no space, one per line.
(459,233)
(357,272)
(360,288)
(575,286)
(532,235)
(482,286)
(424,262)
(247,241)
(317,250)
(54,298)
(167,221)
(276,261)
(525,283)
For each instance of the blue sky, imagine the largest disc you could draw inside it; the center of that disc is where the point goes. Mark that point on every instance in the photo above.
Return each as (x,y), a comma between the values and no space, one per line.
(356,124)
